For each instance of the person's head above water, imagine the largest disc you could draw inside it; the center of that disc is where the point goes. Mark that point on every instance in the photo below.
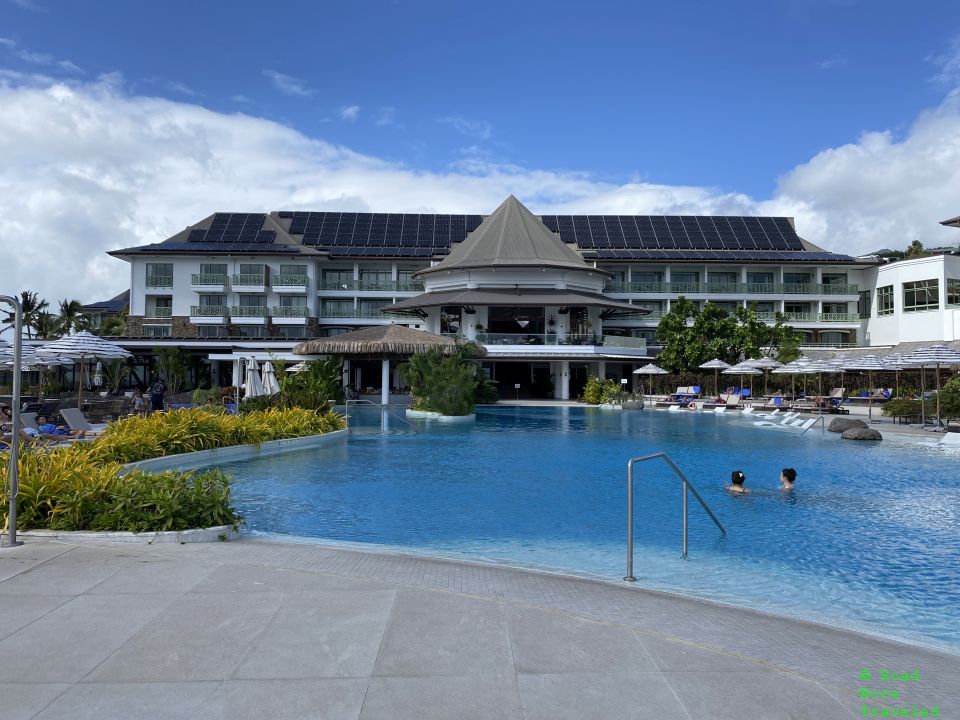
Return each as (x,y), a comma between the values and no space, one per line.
(737,477)
(787,477)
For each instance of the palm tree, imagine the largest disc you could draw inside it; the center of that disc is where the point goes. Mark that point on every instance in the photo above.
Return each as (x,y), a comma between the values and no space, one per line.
(47,326)
(71,317)
(113,324)
(33,307)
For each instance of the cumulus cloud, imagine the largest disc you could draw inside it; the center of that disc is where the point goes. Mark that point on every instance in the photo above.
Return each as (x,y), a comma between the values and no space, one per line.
(480,129)
(349,113)
(287,84)
(37,58)
(947,63)
(386,116)
(97,168)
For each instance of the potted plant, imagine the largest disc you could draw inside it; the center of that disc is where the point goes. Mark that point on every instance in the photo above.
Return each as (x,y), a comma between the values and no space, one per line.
(478,327)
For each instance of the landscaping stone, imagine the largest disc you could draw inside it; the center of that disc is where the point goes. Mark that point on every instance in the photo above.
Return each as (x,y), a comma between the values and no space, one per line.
(861,433)
(839,425)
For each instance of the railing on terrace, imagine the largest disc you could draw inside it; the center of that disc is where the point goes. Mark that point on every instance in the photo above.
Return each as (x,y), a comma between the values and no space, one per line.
(811,317)
(204,279)
(623,341)
(352,313)
(374,286)
(159,313)
(290,311)
(254,280)
(289,280)
(723,288)
(155,281)
(545,339)
(248,311)
(209,310)
(805,344)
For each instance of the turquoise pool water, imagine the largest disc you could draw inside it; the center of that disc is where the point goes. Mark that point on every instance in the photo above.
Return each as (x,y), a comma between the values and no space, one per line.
(870,538)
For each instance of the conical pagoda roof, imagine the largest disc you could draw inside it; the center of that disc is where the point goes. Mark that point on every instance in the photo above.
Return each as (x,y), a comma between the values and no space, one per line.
(512,237)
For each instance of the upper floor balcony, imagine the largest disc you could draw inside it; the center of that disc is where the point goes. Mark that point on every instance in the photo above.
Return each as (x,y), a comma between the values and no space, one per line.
(248,314)
(207,282)
(154,282)
(560,344)
(357,312)
(250,282)
(201,314)
(792,318)
(724,288)
(158,313)
(282,283)
(290,314)
(390,286)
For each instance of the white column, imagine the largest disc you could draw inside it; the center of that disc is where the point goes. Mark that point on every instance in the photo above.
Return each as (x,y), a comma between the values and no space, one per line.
(237,380)
(555,371)
(564,379)
(346,372)
(602,370)
(385,381)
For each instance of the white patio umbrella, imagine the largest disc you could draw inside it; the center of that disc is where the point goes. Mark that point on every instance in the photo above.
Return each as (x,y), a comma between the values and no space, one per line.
(270,384)
(716,365)
(793,368)
(894,361)
(870,363)
(764,364)
(254,388)
(935,356)
(743,368)
(82,346)
(649,369)
(31,361)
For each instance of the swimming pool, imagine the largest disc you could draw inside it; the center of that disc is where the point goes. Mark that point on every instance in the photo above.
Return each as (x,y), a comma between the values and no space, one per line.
(870,538)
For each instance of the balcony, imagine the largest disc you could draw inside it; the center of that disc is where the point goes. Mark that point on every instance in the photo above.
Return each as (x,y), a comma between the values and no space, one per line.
(817,318)
(723,288)
(553,344)
(290,314)
(256,282)
(208,314)
(248,314)
(158,313)
(290,283)
(203,281)
(353,313)
(371,286)
(159,281)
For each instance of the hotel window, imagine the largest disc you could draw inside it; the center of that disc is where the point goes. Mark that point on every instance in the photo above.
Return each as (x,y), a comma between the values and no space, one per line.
(293,301)
(796,278)
(213,300)
(293,269)
(789,307)
(646,276)
(371,307)
(863,307)
(834,278)
(681,282)
(762,307)
(835,307)
(333,331)
(921,295)
(760,278)
(253,301)
(246,269)
(654,306)
(250,331)
(159,275)
(213,269)
(291,332)
(338,279)
(214,331)
(338,308)
(378,279)
(953,292)
(156,331)
(451,319)
(885,300)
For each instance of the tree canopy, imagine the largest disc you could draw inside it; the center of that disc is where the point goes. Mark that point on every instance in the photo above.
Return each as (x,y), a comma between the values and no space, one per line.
(691,336)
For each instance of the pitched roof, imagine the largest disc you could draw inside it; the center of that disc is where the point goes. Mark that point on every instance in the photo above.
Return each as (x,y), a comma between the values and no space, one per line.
(511,237)
(379,340)
(114,304)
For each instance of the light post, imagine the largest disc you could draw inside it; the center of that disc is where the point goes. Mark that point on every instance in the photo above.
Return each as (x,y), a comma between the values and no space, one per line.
(13,484)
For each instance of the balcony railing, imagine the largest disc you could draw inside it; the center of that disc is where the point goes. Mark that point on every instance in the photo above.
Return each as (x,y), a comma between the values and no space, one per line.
(289,281)
(206,279)
(811,317)
(725,288)
(549,339)
(290,311)
(254,280)
(159,281)
(248,311)
(158,313)
(209,310)
(373,286)
(352,313)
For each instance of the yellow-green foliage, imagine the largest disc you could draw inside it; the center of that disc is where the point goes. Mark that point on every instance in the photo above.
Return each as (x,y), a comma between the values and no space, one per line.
(79,486)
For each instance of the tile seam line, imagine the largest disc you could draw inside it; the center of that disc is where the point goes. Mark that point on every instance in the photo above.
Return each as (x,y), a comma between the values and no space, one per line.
(373,669)
(513,661)
(69,549)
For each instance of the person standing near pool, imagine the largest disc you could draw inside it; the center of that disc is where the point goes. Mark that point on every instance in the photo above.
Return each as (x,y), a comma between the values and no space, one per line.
(787,477)
(737,478)
(157,390)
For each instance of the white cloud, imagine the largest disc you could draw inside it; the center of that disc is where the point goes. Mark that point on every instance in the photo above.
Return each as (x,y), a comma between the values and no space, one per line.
(386,116)
(287,84)
(832,63)
(240,98)
(349,113)
(98,169)
(36,58)
(480,129)
(70,67)
(947,63)
(29,5)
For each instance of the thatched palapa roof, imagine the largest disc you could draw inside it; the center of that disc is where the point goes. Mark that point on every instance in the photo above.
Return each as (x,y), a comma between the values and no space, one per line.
(379,340)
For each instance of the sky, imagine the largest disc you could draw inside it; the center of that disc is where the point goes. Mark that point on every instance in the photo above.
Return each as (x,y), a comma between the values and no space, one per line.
(123,122)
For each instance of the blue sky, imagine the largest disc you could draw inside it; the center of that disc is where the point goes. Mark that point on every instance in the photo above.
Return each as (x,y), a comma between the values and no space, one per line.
(122,122)
(721,94)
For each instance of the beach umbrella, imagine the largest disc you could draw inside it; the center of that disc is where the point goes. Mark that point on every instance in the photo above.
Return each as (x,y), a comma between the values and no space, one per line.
(30,361)
(894,361)
(870,363)
(936,356)
(764,364)
(792,369)
(270,384)
(743,368)
(649,369)
(716,365)
(253,385)
(83,346)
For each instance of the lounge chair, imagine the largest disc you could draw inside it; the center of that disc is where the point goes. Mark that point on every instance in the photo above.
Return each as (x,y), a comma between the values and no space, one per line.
(719,410)
(76,420)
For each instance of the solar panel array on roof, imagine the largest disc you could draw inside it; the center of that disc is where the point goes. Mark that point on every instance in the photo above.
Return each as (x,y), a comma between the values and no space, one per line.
(391,232)
(790,256)
(222,247)
(234,228)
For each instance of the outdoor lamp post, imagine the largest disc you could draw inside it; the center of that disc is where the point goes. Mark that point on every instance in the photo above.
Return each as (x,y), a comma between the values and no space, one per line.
(13,484)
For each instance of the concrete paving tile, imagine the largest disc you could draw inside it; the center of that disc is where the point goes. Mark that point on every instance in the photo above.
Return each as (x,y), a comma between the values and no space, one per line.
(14,561)
(253,578)
(593,696)
(325,634)
(318,699)
(69,642)
(18,611)
(436,633)
(67,574)
(678,656)
(545,642)
(758,696)
(130,701)
(441,698)
(198,637)
(170,576)
(21,701)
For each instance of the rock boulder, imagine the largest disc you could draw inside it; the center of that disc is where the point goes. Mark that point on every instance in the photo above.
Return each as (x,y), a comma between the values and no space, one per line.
(861,433)
(839,425)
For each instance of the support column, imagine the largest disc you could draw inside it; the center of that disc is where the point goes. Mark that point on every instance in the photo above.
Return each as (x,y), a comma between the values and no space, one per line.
(346,373)
(564,379)
(385,381)
(235,374)
(602,370)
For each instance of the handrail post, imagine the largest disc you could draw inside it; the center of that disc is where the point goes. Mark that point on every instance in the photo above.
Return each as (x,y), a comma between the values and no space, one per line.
(629,576)
(683,555)
(13,481)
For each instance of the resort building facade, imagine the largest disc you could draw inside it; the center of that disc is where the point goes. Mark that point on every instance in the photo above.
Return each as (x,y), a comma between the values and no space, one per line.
(552,298)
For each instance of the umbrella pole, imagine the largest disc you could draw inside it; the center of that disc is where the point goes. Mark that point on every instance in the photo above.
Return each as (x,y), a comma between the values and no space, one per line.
(870,396)
(936,370)
(923,389)
(80,385)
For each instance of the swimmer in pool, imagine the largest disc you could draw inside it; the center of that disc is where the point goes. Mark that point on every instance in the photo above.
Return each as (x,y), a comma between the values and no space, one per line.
(737,478)
(787,477)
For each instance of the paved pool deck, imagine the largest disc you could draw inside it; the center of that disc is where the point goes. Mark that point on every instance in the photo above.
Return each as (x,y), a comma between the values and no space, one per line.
(261,629)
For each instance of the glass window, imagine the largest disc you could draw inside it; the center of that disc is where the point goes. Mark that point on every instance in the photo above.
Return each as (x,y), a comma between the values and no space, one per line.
(835,307)
(375,278)
(156,331)
(834,278)
(684,276)
(213,300)
(405,274)
(790,307)
(159,269)
(293,269)
(863,307)
(371,306)
(213,269)
(953,292)
(163,301)
(246,269)
(760,278)
(730,307)
(885,300)
(332,331)
(338,308)
(653,306)
(253,301)
(212,331)
(451,319)
(293,301)
(762,307)
(646,276)
(921,295)
(250,331)
(338,277)
(796,278)
(290,331)
(723,277)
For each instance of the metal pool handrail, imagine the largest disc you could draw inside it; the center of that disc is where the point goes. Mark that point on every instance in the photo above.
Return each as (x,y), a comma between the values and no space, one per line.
(686,486)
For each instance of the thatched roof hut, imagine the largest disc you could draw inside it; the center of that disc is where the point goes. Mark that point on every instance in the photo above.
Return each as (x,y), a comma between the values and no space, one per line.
(379,341)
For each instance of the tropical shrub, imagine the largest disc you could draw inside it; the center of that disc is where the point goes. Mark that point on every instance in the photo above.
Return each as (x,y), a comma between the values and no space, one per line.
(599,391)
(906,406)
(320,382)
(950,398)
(441,382)
(486,393)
